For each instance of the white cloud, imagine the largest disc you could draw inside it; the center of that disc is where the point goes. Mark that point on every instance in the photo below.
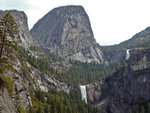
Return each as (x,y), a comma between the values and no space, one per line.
(14,4)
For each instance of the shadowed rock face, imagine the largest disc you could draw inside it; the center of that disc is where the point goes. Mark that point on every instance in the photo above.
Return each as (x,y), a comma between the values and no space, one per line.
(131,84)
(66,31)
(22,24)
(93,92)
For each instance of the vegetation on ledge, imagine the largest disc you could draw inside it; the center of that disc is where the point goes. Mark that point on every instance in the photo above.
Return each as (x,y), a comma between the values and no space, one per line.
(59,102)
(86,72)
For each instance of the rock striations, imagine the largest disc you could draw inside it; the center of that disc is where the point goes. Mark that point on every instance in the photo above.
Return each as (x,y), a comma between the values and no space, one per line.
(66,31)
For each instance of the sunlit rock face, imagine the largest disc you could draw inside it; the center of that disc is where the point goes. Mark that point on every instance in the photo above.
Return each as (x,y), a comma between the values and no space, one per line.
(66,31)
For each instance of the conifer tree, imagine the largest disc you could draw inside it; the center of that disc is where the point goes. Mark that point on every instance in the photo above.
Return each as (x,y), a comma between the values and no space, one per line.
(40,110)
(9,38)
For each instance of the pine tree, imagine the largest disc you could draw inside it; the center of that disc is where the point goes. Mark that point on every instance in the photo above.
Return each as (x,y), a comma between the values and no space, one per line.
(9,38)
(47,109)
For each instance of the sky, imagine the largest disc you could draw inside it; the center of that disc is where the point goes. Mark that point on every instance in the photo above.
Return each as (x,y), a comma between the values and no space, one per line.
(112,21)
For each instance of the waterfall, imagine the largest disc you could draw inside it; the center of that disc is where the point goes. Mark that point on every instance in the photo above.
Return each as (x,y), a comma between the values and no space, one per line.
(83,93)
(127,54)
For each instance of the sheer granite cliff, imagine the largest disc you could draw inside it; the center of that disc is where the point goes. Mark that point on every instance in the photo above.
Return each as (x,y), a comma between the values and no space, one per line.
(130,85)
(66,31)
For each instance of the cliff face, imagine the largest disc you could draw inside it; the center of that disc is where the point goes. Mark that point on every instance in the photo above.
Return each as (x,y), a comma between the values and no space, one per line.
(118,56)
(25,77)
(131,84)
(22,24)
(66,31)
(93,92)
(6,103)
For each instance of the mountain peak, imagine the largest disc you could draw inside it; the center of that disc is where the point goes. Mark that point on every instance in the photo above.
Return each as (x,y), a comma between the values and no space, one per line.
(66,31)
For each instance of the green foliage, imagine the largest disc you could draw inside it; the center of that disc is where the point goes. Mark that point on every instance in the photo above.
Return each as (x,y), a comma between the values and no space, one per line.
(43,63)
(86,72)
(24,69)
(19,105)
(141,108)
(8,83)
(40,110)
(59,102)
(78,73)
(9,39)
(37,49)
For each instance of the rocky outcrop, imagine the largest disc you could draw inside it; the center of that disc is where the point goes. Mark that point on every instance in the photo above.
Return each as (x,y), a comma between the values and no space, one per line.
(93,92)
(45,82)
(22,24)
(66,31)
(130,85)
(28,78)
(6,103)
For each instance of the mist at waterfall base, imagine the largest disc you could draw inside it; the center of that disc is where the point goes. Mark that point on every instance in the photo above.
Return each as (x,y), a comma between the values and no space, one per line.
(127,54)
(83,93)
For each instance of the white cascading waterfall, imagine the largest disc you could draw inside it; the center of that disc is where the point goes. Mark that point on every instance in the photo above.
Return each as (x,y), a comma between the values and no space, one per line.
(127,54)
(83,93)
